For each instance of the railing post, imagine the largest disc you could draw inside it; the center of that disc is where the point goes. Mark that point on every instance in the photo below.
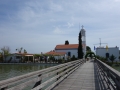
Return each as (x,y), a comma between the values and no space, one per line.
(38,82)
(4,88)
(66,72)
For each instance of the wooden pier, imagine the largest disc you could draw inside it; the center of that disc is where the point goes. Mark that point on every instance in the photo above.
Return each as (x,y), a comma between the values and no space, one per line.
(75,75)
(84,78)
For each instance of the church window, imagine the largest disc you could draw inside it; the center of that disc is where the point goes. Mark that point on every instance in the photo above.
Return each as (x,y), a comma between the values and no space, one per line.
(69,53)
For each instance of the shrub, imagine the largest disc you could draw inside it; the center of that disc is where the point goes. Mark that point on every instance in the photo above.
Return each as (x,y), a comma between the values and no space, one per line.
(61,61)
(73,58)
(112,58)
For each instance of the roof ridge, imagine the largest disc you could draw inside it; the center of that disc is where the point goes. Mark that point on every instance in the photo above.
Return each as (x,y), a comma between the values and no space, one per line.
(68,44)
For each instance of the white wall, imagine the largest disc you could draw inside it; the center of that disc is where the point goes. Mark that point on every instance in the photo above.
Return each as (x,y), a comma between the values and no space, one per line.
(73,52)
(14,59)
(59,57)
(113,50)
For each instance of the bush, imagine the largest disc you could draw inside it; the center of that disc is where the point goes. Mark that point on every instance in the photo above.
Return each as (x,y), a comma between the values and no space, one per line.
(61,61)
(109,63)
(73,58)
(90,54)
(112,58)
(1,58)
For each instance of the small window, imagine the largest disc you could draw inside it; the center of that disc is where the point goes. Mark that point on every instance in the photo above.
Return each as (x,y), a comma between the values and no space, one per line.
(69,53)
(107,55)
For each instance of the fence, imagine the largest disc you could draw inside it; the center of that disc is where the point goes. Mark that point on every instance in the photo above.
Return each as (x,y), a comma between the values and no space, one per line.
(42,79)
(110,77)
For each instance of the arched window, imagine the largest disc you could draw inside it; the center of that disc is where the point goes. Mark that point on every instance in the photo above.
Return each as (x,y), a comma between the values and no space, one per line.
(69,53)
(107,55)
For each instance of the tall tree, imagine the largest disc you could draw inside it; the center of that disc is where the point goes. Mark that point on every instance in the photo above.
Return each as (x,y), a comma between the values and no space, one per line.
(19,50)
(80,50)
(5,51)
(112,58)
(25,51)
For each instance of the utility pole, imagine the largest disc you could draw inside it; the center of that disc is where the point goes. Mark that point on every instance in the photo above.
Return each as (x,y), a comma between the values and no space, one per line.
(100,43)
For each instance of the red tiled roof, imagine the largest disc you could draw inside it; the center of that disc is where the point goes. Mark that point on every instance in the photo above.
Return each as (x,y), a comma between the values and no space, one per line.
(55,53)
(70,46)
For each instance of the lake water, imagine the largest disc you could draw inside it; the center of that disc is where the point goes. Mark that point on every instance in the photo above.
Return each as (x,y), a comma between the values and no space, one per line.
(12,70)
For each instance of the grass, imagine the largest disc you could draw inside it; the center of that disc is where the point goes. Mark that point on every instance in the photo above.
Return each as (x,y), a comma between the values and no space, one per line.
(116,66)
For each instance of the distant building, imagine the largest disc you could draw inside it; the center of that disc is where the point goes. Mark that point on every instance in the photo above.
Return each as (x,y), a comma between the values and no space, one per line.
(101,51)
(70,49)
(57,55)
(17,57)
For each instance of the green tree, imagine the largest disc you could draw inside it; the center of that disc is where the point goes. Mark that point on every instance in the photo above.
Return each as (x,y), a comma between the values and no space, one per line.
(88,48)
(80,50)
(25,51)
(66,42)
(91,54)
(19,50)
(112,58)
(73,58)
(5,52)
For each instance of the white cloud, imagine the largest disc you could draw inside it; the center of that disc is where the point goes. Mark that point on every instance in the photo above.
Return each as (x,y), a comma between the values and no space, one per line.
(117,0)
(56,7)
(70,24)
(58,31)
(39,25)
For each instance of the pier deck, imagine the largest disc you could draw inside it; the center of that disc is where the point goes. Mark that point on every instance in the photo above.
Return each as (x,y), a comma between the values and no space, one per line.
(84,78)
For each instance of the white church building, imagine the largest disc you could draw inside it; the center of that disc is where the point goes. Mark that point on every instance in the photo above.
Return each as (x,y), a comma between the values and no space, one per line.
(71,49)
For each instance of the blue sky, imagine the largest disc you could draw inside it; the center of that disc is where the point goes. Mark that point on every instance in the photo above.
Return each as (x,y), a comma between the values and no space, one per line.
(39,25)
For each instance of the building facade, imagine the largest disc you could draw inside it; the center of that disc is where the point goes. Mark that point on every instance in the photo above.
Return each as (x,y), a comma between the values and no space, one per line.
(17,57)
(101,51)
(70,49)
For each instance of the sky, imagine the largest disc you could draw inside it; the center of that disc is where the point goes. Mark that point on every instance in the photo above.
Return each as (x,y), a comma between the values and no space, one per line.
(39,25)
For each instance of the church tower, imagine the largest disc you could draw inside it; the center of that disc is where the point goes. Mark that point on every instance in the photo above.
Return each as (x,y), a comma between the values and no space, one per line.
(83,33)
(83,37)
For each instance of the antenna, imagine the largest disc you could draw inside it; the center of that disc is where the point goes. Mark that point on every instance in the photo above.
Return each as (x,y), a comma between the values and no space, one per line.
(100,43)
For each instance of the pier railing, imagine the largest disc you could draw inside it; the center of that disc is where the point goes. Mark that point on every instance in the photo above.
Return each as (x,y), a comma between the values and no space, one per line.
(42,79)
(109,77)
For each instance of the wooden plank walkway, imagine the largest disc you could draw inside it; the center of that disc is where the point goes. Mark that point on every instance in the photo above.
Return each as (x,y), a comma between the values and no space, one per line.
(84,78)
